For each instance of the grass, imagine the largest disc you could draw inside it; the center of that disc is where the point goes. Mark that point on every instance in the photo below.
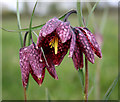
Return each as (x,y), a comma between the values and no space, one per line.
(68,87)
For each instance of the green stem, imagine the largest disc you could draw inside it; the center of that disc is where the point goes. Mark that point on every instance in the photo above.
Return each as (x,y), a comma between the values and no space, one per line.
(79,13)
(31,23)
(95,5)
(19,25)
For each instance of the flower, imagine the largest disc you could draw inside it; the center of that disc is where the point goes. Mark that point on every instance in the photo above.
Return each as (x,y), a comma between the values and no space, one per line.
(56,38)
(85,43)
(32,61)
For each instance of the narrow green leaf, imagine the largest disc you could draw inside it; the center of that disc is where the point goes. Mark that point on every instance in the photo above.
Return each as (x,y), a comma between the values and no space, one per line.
(19,25)
(35,34)
(95,5)
(109,91)
(30,26)
(79,13)
(89,8)
(38,27)
(81,75)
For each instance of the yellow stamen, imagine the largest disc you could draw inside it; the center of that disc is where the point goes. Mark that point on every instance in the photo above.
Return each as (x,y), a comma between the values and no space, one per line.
(56,45)
(52,41)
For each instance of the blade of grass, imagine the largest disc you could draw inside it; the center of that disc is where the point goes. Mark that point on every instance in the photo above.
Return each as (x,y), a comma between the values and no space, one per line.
(89,8)
(38,27)
(95,5)
(30,26)
(19,25)
(47,95)
(79,13)
(110,89)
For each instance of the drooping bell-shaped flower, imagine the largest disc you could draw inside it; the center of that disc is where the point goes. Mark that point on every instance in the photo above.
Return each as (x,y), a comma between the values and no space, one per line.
(55,38)
(30,62)
(85,43)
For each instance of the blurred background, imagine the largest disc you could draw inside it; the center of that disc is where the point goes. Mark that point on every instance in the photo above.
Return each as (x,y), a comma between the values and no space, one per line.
(103,23)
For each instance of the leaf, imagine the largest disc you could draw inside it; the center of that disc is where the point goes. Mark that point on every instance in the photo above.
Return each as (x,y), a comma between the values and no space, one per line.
(95,5)
(19,25)
(38,27)
(79,13)
(110,89)
(30,26)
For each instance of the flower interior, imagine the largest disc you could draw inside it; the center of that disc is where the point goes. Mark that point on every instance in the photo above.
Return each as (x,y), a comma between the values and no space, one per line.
(54,43)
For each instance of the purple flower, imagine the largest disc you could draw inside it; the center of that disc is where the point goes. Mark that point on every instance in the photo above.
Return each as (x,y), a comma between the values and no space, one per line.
(56,38)
(30,62)
(85,43)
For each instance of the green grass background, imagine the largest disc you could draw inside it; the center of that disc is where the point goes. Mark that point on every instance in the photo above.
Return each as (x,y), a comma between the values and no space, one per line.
(68,87)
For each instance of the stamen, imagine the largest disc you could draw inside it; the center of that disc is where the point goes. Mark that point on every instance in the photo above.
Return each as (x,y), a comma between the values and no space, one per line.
(56,45)
(52,41)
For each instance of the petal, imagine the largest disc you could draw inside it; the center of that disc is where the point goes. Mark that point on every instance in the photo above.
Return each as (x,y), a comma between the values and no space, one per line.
(63,30)
(62,51)
(78,58)
(47,29)
(38,80)
(50,26)
(84,45)
(37,66)
(93,42)
(24,65)
(49,52)
(72,44)
(52,71)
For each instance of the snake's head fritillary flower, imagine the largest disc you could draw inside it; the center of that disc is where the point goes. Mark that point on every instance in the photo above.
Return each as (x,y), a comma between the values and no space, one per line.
(30,62)
(85,43)
(55,38)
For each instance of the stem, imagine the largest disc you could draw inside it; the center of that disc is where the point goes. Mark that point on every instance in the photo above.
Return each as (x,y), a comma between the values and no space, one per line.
(68,14)
(30,26)
(86,79)
(79,13)
(19,25)
(25,39)
(25,96)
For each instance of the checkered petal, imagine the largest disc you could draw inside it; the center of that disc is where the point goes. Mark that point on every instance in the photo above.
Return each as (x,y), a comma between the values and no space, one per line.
(50,26)
(72,44)
(84,45)
(92,41)
(63,30)
(38,80)
(24,65)
(77,58)
(37,66)
(52,71)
